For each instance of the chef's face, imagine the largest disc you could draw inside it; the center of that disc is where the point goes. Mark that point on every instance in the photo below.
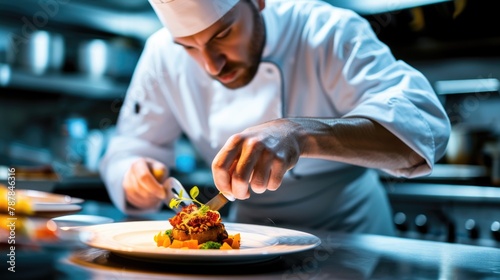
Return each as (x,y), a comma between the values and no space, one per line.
(230,50)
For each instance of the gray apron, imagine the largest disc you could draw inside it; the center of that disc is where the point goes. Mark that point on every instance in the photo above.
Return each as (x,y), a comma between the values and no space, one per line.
(351,199)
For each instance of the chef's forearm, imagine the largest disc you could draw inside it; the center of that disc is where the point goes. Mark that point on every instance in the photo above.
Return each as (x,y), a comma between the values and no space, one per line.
(358,141)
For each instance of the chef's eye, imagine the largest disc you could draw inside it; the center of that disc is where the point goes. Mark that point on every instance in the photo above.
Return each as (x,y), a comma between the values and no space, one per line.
(223,34)
(186,47)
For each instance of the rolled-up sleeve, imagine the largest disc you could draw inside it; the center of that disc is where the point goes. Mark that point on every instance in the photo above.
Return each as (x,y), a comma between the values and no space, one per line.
(369,82)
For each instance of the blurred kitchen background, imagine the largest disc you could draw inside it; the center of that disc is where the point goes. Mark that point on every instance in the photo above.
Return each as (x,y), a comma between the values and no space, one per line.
(65,66)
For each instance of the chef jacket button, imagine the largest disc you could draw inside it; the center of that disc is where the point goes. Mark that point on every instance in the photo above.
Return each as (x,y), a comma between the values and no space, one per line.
(269,71)
(137,108)
(392,101)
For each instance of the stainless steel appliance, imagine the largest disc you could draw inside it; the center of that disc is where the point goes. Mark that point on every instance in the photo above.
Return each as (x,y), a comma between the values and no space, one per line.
(465,214)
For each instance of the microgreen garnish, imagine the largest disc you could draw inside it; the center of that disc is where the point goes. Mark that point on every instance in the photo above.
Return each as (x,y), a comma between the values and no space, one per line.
(193,193)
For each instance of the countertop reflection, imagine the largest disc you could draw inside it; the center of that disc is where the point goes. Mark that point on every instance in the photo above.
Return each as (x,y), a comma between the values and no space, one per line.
(339,256)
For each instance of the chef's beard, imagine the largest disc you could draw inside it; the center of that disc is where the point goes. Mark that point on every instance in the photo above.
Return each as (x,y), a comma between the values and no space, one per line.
(254,53)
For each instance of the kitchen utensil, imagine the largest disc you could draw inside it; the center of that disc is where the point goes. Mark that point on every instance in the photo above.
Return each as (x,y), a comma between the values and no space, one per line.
(173,186)
(115,57)
(465,144)
(178,190)
(217,202)
(41,52)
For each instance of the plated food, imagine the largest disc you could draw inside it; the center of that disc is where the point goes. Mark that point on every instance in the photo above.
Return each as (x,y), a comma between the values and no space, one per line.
(14,202)
(33,203)
(196,227)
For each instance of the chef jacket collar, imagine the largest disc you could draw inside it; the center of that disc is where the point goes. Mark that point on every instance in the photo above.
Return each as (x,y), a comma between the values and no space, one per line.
(270,26)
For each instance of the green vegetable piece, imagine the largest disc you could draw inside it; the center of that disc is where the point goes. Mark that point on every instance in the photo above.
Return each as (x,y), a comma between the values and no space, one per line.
(169,233)
(210,245)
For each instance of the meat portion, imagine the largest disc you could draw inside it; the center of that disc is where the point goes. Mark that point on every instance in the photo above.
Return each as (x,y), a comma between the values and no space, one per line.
(215,233)
(199,224)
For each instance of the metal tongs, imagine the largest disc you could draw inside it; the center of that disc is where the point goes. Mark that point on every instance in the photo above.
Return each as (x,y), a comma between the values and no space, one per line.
(175,188)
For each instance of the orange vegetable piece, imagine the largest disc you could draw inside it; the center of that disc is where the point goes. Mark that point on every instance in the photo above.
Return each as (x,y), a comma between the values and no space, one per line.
(225,246)
(191,244)
(177,244)
(236,241)
(159,239)
(166,242)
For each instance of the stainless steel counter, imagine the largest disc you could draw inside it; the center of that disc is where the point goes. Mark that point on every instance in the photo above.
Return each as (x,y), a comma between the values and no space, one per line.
(340,256)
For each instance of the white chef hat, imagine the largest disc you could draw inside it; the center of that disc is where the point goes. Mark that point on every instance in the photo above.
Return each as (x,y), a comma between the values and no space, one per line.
(188,17)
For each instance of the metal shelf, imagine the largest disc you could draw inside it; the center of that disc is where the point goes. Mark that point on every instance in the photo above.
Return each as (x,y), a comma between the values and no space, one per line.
(68,84)
(365,7)
(126,18)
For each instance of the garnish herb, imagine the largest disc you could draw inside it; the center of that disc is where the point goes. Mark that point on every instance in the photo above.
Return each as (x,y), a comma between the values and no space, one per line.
(193,193)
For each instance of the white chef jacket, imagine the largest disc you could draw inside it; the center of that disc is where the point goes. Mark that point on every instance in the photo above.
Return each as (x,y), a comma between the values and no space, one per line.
(318,61)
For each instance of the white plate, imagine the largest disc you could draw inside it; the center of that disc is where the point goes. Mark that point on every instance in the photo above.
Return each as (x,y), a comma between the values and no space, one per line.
(60,208)
(81,220)
(67,226)
(39,197)
(258,243)
(44,202)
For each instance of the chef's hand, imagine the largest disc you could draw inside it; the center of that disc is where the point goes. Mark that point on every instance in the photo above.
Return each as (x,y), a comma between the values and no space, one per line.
(259,156)
(142,183)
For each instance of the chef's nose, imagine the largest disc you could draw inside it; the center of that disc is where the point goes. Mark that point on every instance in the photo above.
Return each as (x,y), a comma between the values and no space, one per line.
(214,61)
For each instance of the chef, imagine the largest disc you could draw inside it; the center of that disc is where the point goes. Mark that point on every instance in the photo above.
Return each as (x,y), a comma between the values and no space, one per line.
(294,104)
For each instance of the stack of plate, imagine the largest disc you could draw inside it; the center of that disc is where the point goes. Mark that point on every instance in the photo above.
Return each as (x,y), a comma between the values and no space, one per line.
(50,205)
